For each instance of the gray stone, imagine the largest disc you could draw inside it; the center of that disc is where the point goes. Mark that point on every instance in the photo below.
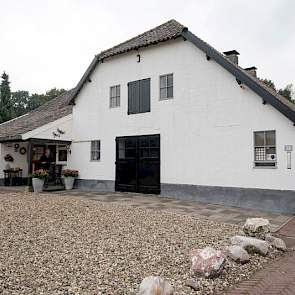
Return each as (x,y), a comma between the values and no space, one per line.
(256,227)
(155,286)
(237,254)
(207,262)
(276,242)
(251,245)
(193,284)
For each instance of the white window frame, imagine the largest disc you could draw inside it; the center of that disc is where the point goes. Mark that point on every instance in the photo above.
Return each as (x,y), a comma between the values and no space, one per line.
(95,149)
(61,148)
(166,86)
(266,164)
(116,97)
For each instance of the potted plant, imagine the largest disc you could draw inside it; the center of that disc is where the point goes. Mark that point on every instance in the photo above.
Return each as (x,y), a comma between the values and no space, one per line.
(38,178)
(69,176)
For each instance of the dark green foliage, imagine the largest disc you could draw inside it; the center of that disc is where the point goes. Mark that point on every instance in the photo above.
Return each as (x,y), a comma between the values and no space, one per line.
(6,107)
(287,92)
(20,100)
(269,83)
(14,104)
(38,99)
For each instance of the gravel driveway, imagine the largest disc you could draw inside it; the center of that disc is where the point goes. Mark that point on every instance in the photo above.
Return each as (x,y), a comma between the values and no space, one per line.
(51,244)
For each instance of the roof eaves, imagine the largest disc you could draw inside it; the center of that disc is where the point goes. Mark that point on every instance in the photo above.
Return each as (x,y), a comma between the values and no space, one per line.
(84,78)
(10,138)
(241,75)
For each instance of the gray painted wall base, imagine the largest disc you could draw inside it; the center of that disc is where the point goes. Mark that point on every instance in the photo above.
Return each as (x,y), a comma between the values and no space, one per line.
(95,185)
(277,201)
(25,181)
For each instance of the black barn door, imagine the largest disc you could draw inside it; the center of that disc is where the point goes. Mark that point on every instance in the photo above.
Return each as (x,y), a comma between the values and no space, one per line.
(138,164)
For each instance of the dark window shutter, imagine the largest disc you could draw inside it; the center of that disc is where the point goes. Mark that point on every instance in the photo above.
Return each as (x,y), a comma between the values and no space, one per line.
(139,96)
(145,105)
(133,97)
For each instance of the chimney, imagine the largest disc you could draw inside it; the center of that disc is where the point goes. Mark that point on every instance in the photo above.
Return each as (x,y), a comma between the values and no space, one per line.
(252,71)
(232,55)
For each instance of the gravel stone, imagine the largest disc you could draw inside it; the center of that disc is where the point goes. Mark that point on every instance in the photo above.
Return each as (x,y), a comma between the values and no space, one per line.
(256,227)
(237,253)
(251,245)
(276,242)
(53,244)
(155,286)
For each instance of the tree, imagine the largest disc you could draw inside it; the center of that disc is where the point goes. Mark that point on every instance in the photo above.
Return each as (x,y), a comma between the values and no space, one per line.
(269,83)
(288,92)
(6,107)
(20,101)
(54,92)
(37,100)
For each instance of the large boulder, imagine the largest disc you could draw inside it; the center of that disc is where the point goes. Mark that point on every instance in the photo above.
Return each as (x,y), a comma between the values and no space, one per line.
(276,242)
(237,253)
(155,286)
(207,262)
(251,245)
(256,227)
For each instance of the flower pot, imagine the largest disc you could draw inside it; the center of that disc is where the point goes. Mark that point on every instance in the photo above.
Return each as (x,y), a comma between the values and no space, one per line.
(69,182)
(38,185)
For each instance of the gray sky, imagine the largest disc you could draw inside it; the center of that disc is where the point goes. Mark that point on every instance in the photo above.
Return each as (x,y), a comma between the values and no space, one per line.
(50,43)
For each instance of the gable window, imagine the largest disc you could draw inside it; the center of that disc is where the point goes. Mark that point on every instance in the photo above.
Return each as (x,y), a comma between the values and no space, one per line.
(265,153)
(115,96)
(166,86)
(95,150)
(139,93)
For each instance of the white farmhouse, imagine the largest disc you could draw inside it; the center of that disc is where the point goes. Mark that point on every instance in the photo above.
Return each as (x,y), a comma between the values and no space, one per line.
(166,113)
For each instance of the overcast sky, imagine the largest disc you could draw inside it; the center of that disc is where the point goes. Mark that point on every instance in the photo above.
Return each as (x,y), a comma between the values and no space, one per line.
(45,44)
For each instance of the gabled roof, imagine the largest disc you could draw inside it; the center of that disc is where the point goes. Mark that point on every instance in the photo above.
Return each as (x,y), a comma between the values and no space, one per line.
(167,31)
(172,30)
(52,110)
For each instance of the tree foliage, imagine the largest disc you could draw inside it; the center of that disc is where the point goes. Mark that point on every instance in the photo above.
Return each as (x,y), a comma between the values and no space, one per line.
(269,83)
(6,107)
(14,104)
(20,100)
(288,92)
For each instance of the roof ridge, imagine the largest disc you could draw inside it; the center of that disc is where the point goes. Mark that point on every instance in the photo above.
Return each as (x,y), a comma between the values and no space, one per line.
(170,22)
(172,30)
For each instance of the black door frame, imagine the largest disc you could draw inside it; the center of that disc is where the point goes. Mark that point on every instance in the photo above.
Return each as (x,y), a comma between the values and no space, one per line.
(138,188)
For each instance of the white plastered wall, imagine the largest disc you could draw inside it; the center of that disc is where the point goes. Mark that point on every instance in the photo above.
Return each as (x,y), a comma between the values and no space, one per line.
(206,129)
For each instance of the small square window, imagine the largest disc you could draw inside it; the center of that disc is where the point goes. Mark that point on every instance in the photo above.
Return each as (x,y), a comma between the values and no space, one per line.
(95,150)
(265,154)
(115,96)
(166,86)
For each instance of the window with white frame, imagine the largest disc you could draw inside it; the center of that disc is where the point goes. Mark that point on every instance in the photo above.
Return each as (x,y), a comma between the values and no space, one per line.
(265,152)
(62,154)
(95,150)
(115,96)
(166,86)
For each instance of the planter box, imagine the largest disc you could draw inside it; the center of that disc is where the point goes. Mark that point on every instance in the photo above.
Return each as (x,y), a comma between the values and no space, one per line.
(69,182)
(38,185)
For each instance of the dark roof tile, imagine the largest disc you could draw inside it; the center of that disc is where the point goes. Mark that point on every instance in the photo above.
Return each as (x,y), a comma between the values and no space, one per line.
(169,30)
(52,110)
